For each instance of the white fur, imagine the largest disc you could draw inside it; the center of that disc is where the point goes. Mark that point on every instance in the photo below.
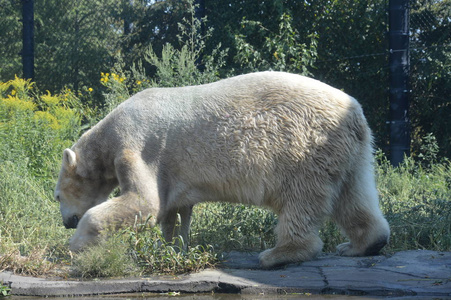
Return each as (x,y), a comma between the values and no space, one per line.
(287,142)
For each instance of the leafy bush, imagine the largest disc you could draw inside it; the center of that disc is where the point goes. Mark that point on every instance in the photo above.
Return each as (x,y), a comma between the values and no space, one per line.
(35,127)
(280,51)
(189,64)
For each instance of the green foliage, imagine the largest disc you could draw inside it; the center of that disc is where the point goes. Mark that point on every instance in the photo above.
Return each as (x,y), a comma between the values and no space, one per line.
(36,128)
(117,90)
(74,40)
(10,33)
(188,65)
(430,71)
(429,150)
(280,51)
(416,201)
(4,290)
(151,24)
(26,206)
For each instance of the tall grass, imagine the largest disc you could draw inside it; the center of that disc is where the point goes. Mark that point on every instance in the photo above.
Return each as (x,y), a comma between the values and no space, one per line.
(417,202)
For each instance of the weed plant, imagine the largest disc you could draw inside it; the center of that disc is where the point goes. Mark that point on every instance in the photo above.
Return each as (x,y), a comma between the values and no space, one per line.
(4,290)
(233,227)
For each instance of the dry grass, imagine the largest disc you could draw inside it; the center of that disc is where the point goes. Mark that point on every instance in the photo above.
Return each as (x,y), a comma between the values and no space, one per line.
(35,263)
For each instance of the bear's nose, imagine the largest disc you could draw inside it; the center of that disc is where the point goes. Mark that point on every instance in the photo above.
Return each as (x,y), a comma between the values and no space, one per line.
(71,222)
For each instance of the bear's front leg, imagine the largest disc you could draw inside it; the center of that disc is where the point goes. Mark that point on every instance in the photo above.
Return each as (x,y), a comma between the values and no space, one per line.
(111,214)
(87,233)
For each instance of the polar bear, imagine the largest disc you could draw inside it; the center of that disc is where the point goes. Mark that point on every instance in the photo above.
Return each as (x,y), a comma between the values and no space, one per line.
(272,139)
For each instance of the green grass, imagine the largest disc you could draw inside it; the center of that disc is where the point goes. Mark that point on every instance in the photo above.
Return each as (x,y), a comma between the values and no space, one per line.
(417,203)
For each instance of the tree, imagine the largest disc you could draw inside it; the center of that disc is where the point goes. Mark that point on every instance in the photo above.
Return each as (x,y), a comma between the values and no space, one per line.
(152,23)
(280,51)
(353,53)
(430,69)
(11,44)
(75,41)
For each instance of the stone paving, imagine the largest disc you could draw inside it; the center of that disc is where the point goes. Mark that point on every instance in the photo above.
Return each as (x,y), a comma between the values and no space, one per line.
(425,274)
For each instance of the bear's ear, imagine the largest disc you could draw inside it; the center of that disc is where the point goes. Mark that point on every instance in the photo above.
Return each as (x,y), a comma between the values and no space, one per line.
(69,159)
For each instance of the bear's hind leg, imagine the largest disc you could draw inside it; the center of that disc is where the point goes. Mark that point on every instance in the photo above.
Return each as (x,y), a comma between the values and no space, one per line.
(358,214)
(296,242)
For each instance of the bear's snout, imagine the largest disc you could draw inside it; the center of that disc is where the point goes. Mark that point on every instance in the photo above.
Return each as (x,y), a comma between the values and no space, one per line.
(71,222)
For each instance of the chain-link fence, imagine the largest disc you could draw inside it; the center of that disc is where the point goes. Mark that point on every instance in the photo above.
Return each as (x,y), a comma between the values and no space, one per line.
(353,54)
(430,76)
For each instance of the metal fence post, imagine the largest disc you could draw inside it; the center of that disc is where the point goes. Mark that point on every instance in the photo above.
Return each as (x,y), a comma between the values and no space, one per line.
(399,77)
(28,39)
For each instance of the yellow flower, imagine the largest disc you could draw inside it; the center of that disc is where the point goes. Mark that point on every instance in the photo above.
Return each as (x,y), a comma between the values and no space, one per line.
(16,104)
(139,82)
(47,118)
(50,100)
(13,92)
(276,55)
(90,90)
(66,117)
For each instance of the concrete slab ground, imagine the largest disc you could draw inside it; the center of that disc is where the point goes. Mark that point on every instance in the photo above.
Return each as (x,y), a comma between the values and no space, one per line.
(424,274)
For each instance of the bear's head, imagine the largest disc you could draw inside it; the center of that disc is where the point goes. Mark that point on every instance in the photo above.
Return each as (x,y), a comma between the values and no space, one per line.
(78,190)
